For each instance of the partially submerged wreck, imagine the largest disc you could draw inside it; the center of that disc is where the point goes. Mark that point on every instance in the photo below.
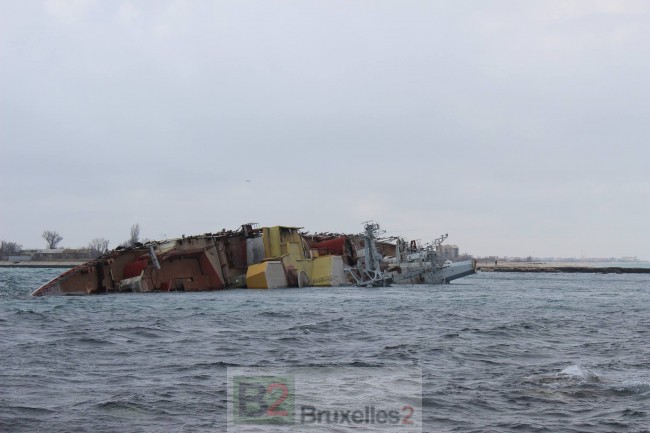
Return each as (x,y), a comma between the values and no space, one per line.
(256,258)
(397,261)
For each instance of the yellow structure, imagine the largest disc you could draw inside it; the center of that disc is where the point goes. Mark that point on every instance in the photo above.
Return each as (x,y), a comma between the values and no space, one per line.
(266,275)
(327,271)
(286,245)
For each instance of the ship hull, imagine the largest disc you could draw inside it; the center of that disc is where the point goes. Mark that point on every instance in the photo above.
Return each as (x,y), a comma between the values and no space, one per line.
(425,273)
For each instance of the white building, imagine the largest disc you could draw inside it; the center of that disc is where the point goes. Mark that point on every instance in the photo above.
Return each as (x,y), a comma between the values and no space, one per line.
(448,252)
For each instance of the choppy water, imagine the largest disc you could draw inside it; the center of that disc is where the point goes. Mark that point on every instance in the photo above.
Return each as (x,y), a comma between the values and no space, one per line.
(499,352)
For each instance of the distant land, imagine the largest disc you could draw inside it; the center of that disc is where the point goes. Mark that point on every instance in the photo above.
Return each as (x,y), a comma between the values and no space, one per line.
(629,259)
(604,265)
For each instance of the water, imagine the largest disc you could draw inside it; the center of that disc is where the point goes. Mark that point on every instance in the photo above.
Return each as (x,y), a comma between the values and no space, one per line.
(499,352)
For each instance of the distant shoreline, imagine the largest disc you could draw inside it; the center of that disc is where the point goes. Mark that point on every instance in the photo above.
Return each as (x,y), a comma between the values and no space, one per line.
(42,264)
(557,267)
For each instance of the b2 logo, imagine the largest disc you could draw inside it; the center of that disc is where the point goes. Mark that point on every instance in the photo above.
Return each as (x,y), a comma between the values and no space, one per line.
(263,400)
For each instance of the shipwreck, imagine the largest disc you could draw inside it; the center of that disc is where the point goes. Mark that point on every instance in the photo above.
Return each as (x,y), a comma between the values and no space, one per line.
(259,258)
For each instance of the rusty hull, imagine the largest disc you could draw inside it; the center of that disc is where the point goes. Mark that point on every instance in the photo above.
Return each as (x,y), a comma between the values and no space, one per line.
(197,263)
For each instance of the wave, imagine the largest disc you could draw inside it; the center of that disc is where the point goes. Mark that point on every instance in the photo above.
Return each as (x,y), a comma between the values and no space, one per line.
(577,382)
(633,387)
(580,373)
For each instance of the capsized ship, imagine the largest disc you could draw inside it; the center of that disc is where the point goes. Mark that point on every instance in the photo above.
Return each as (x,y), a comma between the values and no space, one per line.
(252,257)
(394,260)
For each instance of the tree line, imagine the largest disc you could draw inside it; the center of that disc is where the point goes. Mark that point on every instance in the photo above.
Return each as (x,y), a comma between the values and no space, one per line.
(53,239)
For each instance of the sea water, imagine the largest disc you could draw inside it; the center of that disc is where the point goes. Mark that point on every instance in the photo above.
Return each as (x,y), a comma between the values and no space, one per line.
(497,351)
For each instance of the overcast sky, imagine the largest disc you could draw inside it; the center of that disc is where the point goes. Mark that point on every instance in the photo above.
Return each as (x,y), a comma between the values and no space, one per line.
(518,127)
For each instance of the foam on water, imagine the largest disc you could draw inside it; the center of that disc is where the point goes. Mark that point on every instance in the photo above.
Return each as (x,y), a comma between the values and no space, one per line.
(579,372)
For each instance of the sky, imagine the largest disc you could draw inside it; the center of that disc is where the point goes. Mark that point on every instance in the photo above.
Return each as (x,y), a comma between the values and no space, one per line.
(518,128)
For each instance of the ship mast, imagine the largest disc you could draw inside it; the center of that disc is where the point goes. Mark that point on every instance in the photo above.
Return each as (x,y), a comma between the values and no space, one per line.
(368,271)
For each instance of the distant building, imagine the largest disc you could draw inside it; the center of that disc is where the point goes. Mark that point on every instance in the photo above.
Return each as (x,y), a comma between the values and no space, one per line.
(18,258)
(50,252)
(448,252)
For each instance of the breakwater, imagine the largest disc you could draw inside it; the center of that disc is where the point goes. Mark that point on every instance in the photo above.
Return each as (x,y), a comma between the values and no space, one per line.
(559,267)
